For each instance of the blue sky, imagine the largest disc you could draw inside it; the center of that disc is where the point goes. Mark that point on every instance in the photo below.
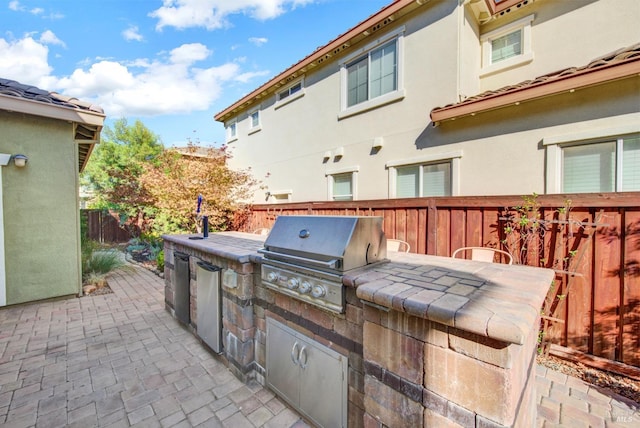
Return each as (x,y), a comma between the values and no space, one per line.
(172,64)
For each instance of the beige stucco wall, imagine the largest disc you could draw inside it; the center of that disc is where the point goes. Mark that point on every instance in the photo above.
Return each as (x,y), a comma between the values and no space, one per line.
(41,225)
(501,151)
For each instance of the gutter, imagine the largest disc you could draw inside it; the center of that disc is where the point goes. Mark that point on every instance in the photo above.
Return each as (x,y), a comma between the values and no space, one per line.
(38,108)
(545,88)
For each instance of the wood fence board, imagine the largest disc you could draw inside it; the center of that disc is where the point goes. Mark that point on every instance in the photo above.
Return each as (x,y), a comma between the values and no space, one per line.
(489,227)
(444,233)
(412,229)
(473,228)
(631,290)
(458,229)
(578,286)
(401,224)
(422,231)
(607,287)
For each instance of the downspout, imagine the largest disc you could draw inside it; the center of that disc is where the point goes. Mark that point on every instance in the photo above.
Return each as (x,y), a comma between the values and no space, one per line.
(4,160)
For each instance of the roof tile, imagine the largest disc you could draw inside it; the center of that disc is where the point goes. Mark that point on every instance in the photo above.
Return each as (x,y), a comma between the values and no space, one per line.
(20,90)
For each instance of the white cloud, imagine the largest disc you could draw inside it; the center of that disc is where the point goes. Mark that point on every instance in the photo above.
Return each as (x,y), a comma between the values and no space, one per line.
(15,5)
(212,14)
(248,76)
(258,41)
(175,82)
(49,38)
(24,60)
(189,53)
(132,33)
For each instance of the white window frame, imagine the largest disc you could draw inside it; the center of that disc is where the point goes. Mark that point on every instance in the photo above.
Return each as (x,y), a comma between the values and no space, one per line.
(381,100)
(353,170)
(275,196)
(254,128)
(526,56)
(280,102)
(232,131)
(453,157)
(555,144)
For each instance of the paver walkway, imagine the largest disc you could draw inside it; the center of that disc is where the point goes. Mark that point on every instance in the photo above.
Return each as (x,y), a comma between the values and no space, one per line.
(120,360)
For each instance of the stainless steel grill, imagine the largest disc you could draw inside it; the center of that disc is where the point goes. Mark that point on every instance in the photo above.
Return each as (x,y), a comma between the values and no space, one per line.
(307,256)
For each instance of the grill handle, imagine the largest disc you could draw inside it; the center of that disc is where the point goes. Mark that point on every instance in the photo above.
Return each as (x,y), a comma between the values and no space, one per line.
(332,264)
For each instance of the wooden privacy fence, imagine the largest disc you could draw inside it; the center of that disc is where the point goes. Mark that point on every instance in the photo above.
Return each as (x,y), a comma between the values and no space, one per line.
(594,247)
(104,227)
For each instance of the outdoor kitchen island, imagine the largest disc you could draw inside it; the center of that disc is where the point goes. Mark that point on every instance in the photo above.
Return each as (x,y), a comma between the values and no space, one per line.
(421,340)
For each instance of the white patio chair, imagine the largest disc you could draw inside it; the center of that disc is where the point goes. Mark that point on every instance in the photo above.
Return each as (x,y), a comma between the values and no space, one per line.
(484,254)
(397,246)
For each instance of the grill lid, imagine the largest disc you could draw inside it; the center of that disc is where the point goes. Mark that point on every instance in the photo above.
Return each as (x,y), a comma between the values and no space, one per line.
(327,242)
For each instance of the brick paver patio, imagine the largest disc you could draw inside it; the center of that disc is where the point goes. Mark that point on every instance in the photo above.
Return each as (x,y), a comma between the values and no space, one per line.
(120,360)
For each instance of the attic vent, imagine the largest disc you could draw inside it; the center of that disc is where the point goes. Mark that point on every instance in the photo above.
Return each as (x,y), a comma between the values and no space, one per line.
(518,6)
(340,48)
(324,58)
(388,20)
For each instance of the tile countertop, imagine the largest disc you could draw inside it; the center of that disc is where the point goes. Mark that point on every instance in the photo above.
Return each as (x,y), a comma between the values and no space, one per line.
(495,300)
(237,246)
(498,301)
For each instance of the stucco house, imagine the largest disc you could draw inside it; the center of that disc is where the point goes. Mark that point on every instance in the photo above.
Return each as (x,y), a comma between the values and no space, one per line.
(39,199)
(452,98)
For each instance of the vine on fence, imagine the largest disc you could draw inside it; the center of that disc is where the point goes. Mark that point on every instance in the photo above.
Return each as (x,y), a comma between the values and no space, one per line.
(548,239)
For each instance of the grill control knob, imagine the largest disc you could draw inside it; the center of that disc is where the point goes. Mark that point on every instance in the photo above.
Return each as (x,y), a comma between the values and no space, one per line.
(305,287)
(293,283)
(318,291)
(272,276)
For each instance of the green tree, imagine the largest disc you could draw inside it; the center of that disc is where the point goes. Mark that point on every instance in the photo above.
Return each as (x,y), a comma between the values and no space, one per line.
(115,167)
(155,190)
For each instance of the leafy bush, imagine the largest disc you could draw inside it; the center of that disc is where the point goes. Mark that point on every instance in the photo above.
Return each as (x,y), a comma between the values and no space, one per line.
(160,261)
(102,262)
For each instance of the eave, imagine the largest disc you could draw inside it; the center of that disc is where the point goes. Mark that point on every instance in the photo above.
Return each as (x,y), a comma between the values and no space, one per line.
(87,124)
(365,29)
(596,73)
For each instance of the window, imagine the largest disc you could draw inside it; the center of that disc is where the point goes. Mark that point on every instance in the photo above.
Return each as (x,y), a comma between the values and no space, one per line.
(605,166)
(372,76)
(342,187)
(254,121)
(342,184)
(232,131)
(279,196)
(290,94)
(290,91)
(433,175)
(423,180)
(507,47)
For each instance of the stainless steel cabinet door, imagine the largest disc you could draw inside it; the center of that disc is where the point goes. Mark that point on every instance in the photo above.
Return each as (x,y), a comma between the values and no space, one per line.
(308,375)
(324,387)
(283,375)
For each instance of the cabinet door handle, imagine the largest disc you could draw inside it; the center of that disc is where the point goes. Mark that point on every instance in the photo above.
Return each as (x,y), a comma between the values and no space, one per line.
(303,353)
(295,355)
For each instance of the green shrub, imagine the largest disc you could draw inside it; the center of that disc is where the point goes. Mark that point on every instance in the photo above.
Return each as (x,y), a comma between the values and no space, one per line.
(160,260)
(102,262)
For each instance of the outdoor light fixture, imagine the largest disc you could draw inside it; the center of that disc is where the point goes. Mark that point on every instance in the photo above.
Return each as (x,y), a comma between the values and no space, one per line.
(20,160)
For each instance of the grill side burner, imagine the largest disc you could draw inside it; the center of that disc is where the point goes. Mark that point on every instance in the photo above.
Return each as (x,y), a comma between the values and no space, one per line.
(307,256)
